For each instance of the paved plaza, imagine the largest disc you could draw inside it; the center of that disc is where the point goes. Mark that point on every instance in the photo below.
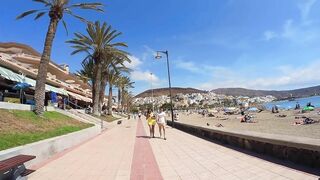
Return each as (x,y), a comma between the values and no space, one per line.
(125,152)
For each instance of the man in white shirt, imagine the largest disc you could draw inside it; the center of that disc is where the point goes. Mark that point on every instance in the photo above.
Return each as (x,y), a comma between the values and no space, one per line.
(161,121)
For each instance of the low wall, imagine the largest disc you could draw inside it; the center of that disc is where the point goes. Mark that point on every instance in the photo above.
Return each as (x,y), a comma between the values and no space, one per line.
(24,107)
(45,149)
(299,150)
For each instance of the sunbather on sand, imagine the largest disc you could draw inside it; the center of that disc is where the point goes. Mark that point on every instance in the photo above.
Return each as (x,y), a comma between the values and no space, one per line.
(247,119)
(305,121)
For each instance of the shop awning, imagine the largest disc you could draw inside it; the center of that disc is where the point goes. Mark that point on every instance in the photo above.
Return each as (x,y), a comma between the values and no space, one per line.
(79,97)
(57,90)
(10,75)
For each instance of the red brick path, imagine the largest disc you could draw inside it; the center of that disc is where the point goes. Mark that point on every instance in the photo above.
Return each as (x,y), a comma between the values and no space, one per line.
(144,165)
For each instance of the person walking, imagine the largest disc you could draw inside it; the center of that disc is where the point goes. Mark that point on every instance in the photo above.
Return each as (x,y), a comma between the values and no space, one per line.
(151,122)
(161,121)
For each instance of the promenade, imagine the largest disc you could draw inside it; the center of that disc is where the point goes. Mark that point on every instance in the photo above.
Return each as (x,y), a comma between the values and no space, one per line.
(125,152)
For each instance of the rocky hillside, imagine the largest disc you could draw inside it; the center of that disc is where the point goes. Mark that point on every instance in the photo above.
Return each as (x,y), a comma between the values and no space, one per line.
(165,91)
(303,92)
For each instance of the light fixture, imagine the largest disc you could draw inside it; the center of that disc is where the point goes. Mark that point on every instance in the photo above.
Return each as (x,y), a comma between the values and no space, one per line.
(158,56)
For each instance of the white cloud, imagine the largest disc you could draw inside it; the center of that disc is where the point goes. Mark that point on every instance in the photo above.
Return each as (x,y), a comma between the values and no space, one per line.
(149,53)
(268,35)
(297,33)
(305,8)
(288,77)
(140,75)
(145,76)
(135,62)
(204,69)
(188,65)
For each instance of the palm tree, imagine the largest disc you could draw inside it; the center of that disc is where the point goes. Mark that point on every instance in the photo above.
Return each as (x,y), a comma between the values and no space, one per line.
(97,45)
(86,73)
(115,62)
(123,84)
(127,100)
(55,9)
(113,76)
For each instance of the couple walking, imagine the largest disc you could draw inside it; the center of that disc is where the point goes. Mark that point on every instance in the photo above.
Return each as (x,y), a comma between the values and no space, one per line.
(160,119)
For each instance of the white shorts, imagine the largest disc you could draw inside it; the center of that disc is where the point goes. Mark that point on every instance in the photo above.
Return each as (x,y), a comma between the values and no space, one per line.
(161,123)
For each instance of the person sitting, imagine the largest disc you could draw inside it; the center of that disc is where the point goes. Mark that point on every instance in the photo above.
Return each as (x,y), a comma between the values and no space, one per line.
(247,119)
(275,109)
(309,104)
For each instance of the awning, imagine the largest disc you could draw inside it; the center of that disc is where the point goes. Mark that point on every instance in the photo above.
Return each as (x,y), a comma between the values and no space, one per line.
(57,90)
(10,75)
(79,97)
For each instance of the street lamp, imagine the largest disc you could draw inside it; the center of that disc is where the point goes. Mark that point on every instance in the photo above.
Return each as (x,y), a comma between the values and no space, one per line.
(158,56)
(152,93)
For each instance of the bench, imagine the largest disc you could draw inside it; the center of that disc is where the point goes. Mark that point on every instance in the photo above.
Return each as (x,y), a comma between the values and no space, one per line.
(13,167)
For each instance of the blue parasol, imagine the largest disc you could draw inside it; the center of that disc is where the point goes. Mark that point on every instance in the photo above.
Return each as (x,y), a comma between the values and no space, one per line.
(20,86)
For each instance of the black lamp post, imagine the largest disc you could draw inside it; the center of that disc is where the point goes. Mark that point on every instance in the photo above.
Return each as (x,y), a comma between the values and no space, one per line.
(158,56)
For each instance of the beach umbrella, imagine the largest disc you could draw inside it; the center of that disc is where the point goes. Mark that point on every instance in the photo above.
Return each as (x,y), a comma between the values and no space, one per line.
(20,86)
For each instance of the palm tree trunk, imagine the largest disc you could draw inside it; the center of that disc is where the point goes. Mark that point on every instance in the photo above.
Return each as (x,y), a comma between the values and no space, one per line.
(110,100)
(122,100)
(119,99)
(97,87)
(102,92)
(39,95)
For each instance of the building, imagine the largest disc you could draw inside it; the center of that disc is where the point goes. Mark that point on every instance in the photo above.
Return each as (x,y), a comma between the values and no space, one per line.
(19,64)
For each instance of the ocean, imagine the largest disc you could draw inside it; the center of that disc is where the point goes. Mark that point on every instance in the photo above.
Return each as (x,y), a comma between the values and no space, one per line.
(315,100)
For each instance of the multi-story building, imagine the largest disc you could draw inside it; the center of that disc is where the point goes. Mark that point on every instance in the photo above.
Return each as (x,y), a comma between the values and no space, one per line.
(19,64)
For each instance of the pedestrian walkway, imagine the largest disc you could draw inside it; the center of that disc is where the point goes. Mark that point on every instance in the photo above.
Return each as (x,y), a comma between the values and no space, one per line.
(184,156)
(144,165)
(125,152)
(107,156)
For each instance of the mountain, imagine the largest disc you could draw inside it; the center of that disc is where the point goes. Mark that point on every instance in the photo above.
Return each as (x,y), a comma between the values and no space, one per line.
(303,92)
(285,94)
(165,91)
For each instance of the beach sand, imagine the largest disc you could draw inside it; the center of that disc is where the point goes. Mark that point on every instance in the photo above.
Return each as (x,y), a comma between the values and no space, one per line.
(266,122)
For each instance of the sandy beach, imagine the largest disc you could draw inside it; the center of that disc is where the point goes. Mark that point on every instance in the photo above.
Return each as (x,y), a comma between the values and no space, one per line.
(266,122)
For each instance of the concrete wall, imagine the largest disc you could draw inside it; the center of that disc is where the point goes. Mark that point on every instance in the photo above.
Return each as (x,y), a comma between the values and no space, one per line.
(299,150)
(25,107)
(46,148)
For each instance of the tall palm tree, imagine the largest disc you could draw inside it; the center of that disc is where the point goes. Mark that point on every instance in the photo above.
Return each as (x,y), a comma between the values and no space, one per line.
(55,9)
(115,61)
(127,98)
(123,84)
(97,44)
(86,73)
(113,76)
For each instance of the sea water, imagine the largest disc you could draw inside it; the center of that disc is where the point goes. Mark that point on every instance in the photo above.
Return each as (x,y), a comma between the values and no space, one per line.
(314,100)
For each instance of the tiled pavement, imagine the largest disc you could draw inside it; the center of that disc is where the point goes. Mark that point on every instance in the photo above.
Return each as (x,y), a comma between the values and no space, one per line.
(183,156)
(107,156)
(123,153)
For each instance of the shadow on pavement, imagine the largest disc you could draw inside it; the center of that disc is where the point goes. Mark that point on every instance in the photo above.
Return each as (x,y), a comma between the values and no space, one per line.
(148,137)
(314,171)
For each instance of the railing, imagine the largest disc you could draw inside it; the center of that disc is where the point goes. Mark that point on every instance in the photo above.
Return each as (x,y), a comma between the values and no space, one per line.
(76,105)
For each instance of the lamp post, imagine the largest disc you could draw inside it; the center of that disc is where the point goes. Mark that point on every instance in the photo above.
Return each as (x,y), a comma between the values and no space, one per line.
(152,93)
(158,56)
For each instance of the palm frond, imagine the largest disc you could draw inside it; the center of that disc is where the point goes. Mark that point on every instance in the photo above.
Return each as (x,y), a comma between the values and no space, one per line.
(78,17)
(39,15)
(65,26)
(26,14)
(47,3)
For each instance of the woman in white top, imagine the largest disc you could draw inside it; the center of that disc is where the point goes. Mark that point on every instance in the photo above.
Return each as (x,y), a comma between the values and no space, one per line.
(161,121)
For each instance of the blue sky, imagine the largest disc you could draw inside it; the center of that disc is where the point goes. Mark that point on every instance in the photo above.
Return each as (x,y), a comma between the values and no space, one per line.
(266,44)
